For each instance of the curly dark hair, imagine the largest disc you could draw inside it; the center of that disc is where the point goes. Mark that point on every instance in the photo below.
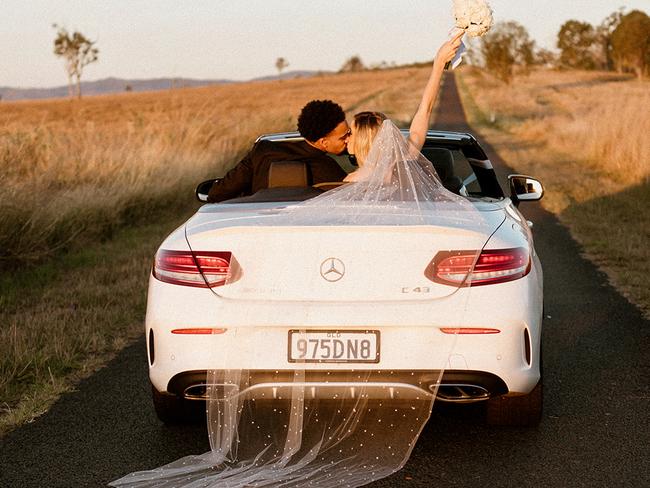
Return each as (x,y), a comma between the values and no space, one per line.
(318,118)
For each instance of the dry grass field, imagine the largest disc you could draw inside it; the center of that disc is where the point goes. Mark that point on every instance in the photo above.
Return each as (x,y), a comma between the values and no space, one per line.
(105,179)
(586,136)
(73,169)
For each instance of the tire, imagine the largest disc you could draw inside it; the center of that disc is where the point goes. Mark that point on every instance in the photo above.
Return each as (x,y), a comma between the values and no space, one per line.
(517,411)
(174,410)
(170,409)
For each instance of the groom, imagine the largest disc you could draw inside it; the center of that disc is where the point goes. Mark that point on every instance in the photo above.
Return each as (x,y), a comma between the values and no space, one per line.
(322,124)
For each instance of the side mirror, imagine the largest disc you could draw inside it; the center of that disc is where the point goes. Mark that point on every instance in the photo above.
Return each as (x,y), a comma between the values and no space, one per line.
(525,189)
(203,189)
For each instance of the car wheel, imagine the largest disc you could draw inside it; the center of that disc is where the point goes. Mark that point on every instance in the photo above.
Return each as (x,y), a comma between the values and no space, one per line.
(517,411)
(172,409)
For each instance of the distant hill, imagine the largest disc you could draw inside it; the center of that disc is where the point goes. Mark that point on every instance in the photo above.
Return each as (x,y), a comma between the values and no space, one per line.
(120,85)
(289,75)
(105,86)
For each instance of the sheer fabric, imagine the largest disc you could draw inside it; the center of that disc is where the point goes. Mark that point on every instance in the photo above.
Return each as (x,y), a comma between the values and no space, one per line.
(327,423)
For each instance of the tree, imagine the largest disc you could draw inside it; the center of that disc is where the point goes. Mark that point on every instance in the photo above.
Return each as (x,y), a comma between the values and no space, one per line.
(576,41)
(631,43)
(352,64)
(545,57)
(507,45)
(498,59)
(280,64)
(77,52)
(604,35)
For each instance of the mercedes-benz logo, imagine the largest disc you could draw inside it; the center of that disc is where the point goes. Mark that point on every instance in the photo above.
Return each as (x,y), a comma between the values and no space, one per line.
(332,269)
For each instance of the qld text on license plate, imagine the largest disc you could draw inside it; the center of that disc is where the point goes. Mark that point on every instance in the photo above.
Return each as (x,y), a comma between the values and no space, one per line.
(334,346)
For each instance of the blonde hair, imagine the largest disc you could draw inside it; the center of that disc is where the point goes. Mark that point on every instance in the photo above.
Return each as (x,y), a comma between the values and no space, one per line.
(366,126)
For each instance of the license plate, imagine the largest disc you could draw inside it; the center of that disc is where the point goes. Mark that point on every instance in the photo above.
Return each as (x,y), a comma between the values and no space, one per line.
(334,346)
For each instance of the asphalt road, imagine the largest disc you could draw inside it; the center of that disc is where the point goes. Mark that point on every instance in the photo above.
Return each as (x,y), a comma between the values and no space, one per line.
(594,431)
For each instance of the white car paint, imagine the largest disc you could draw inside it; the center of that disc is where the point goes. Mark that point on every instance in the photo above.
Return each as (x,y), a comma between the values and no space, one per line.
(281,288)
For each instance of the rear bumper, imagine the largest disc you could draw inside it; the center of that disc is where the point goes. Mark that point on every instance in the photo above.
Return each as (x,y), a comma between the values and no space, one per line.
(411,336)
(456,386)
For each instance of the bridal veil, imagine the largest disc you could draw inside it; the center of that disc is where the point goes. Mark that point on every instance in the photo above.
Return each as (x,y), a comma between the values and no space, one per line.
(311,428)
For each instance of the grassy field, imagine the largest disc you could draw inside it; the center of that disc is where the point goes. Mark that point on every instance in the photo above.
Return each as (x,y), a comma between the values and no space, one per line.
(77,169)
(62,320)
(585,135)
(89,190)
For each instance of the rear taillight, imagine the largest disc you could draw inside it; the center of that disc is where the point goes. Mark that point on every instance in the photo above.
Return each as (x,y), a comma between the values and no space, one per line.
(200,269)
(462,268)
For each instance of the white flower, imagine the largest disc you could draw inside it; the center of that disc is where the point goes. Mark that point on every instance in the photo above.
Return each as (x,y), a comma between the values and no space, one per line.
(474,16)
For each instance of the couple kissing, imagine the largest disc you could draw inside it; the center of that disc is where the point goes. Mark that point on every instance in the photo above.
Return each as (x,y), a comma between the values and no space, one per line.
(323,125)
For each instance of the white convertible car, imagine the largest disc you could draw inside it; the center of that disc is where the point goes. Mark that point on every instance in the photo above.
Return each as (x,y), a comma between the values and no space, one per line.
(335,301)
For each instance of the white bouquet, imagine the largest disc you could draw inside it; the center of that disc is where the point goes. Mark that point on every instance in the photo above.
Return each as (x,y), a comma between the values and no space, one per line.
(473,16)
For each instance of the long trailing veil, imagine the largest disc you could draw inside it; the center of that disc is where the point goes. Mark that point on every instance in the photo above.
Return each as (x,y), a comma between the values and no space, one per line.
(330,425)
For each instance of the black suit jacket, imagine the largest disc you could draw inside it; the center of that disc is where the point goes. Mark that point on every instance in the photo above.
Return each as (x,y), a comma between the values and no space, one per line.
(252,173)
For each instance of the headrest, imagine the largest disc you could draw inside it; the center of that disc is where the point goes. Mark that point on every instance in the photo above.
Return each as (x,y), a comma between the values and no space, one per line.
(442,159)
(443,162)
(284,174)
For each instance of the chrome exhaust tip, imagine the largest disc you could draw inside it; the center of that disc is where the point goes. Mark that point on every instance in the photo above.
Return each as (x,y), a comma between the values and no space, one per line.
(196,392)
(459,393)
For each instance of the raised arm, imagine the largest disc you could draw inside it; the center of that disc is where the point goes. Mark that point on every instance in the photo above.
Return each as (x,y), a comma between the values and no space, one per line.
(420,123)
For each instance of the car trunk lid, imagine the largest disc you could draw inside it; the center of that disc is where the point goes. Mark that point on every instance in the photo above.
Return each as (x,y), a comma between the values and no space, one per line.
(344,263)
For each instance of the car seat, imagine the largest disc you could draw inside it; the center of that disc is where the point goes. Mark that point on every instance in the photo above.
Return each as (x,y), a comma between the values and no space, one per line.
(283,174)
(289,181)
(443,162)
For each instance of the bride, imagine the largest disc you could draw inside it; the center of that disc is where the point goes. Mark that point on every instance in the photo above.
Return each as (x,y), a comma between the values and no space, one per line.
(366,125)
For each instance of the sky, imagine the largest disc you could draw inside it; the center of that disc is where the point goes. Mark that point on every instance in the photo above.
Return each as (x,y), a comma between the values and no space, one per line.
(241,39)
